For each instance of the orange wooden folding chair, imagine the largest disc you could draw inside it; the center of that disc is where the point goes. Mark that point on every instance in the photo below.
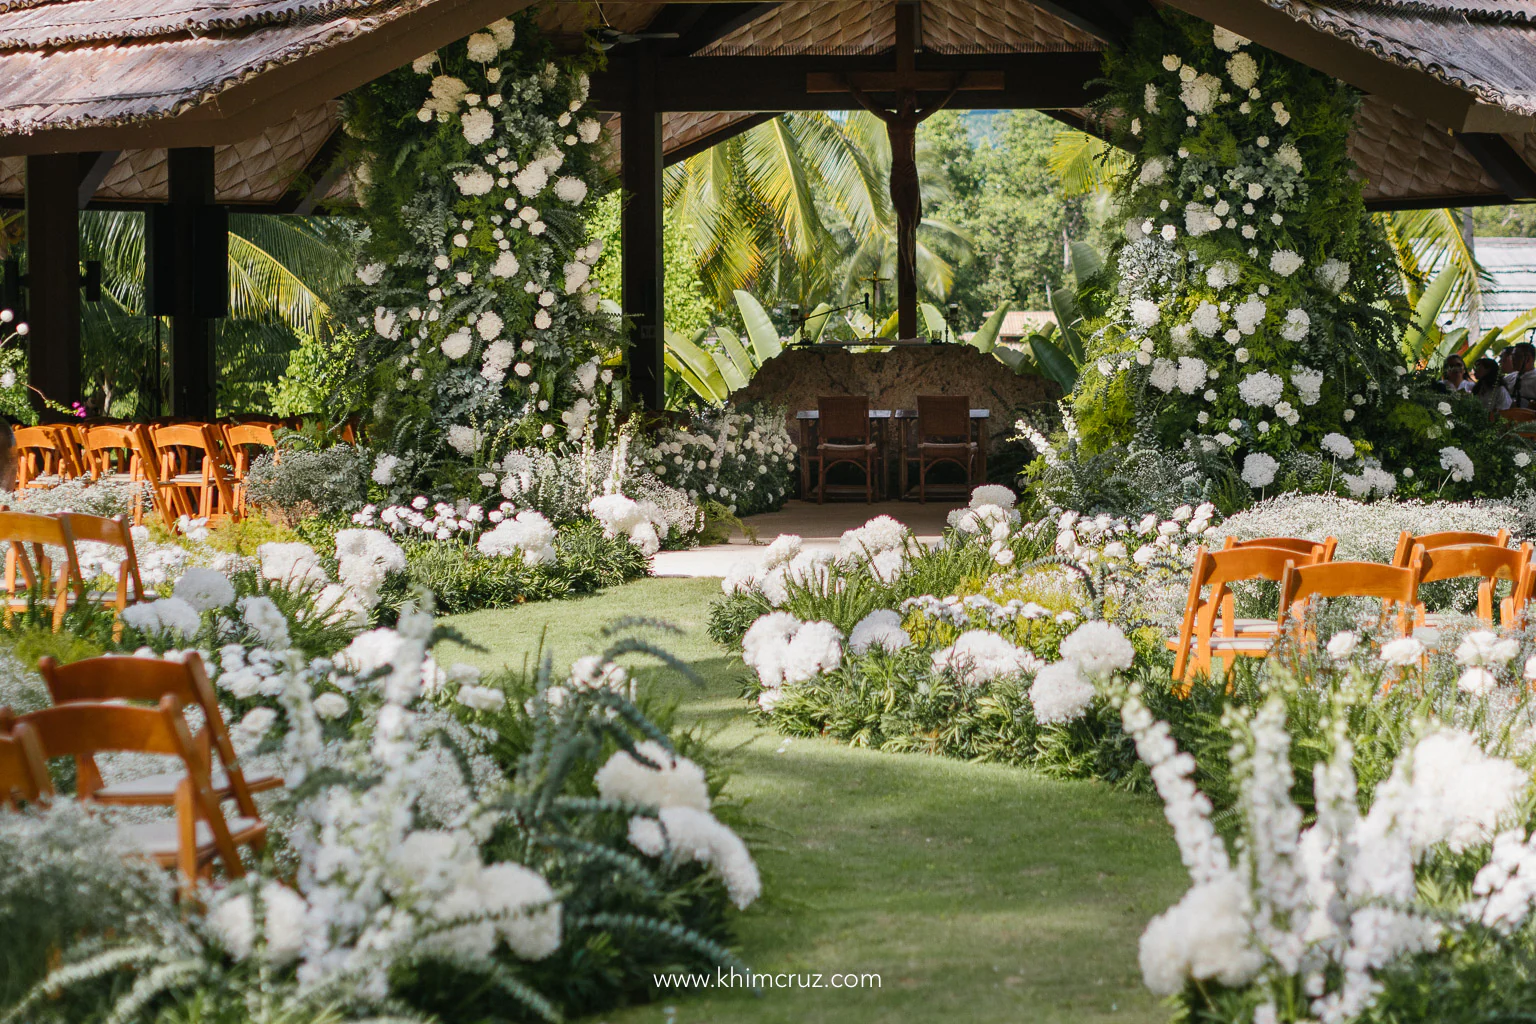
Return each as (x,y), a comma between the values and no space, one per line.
(148,680)
(42,458)
(1396,586)
(23,770)
(239,441)
(189,463)
(33,569)
(1443,539)
(117,533)
(1209,627)
(1490,563)
(199,834)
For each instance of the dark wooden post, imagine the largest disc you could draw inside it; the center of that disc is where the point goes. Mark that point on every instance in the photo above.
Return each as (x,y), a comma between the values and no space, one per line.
(640,235)
(53,277)
(187,276)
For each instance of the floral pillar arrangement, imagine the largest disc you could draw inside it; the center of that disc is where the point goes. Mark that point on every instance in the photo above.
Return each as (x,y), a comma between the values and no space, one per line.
(476,327)
(1252,304)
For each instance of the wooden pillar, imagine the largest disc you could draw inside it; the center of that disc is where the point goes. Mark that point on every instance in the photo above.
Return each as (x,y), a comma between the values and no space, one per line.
(640,234)
(53,277)
(187,277)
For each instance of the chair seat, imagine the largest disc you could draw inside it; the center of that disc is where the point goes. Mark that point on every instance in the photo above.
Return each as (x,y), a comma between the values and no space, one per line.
(1242,644)
(159,839)
(117,478)
(186,480)
(161,789)
(946,446)
(827,447)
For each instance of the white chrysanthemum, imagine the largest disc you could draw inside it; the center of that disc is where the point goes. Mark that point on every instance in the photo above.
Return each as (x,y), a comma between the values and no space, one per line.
(1249,313)
(1145,312)
(1338,446)
(1261,389)
(995,495)
(1206,936)
(668,780)
(204,589)
(170,616)
(1402,652)
(1098,649)
(1060,694)
(1259,470)
(588,130)
(528,534)
(479,125)
(293,564)
(881,533)
(1297,324)
(689,834)
(979,656)
(476,182)
(880,628)
(1285,262)
(458,344)
(384,469)
(1456,462)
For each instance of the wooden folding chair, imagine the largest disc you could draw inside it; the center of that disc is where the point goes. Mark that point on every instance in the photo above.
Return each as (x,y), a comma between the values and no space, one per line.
(117,533)
(43,460)
(1209,628)
(239,440)
(1487,562)
(1395,585)
(149,680)
(204,488)
(23,770)
(20,531)
(844,437)
(1443,539)
(199,834)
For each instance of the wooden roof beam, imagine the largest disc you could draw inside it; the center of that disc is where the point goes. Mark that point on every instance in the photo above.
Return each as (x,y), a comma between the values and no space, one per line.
(699,25)
(756,84)
(1107,20)
(1503,163)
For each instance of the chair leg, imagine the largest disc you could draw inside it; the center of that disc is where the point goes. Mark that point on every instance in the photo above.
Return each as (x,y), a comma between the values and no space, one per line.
(821,483)
(922,480)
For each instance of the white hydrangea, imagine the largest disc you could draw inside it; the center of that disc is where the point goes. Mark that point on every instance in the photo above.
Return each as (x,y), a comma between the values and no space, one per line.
(1456,462)
(1259,470)
(570,190)
(1226,40)
(1164,375)
(1249,313)
(1060,694)
(1222,274)
(1152,171)
(1098,649)
(465,440)
(1199,94)
(1260,389)
(204,589)
(457,345)
(1285,262)
(1145,313)
(476,182)
(170,616)
(506,265)
(1192,374)
(1308,384)
(1243,70)
(479,125)
(1289,156)
(1297,324)
(531,179)
(1206,319)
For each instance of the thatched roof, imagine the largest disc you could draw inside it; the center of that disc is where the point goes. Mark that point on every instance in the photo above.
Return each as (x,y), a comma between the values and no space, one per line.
(1449,117)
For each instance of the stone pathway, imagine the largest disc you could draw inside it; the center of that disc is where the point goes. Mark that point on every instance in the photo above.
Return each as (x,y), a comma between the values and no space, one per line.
(820,526)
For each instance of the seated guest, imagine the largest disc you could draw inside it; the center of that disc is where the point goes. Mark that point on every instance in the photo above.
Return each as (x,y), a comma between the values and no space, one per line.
(1521,384)
(1454,374)
(1507,360)
(1489,388)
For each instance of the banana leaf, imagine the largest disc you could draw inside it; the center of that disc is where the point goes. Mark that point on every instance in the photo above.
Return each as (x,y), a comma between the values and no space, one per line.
(1086,263)
(737,366)
(692,380)
(1015,359)
(934,322)
(1490,343)
(1054,362)
(1418,338)
(701,363)
(760,330)
(1064,305)
(985,339)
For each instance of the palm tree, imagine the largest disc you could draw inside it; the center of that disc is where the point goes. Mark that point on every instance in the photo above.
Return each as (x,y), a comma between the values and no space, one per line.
(281,269)
(798,208)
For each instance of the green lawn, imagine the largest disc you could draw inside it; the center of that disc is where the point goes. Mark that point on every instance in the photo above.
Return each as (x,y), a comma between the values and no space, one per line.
(976,892)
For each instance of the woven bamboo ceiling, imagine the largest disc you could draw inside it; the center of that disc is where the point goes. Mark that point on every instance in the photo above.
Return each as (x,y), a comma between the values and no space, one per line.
(1449,115)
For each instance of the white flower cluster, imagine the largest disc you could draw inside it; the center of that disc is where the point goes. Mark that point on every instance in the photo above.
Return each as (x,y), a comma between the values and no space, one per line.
(782,650)
(743,459)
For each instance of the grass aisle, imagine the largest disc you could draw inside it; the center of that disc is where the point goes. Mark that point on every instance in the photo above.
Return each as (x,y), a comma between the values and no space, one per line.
(977,892)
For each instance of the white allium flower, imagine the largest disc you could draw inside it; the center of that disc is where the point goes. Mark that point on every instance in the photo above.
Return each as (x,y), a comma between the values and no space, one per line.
(1338,446)
(1456,462)
(1285,262)
(1259,470)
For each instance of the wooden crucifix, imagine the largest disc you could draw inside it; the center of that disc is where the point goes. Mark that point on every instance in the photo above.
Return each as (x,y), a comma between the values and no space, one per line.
(901,120)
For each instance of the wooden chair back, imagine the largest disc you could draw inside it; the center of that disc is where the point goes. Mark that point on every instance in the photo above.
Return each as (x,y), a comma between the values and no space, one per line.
(942,418)
(1487,562)
(23,770)
(843,418)
(118,533)
(1443,539)
(150,680)
(40,462)
(27,538)
(82,730)
(1321,551)
(1218,570)
(190,460)
(112,450)
(1395,585)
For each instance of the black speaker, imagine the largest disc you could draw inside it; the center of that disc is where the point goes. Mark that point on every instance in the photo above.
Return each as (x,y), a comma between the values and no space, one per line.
(186,253)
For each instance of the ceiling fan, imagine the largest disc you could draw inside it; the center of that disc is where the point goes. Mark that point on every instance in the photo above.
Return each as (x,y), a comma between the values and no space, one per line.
(607,37)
